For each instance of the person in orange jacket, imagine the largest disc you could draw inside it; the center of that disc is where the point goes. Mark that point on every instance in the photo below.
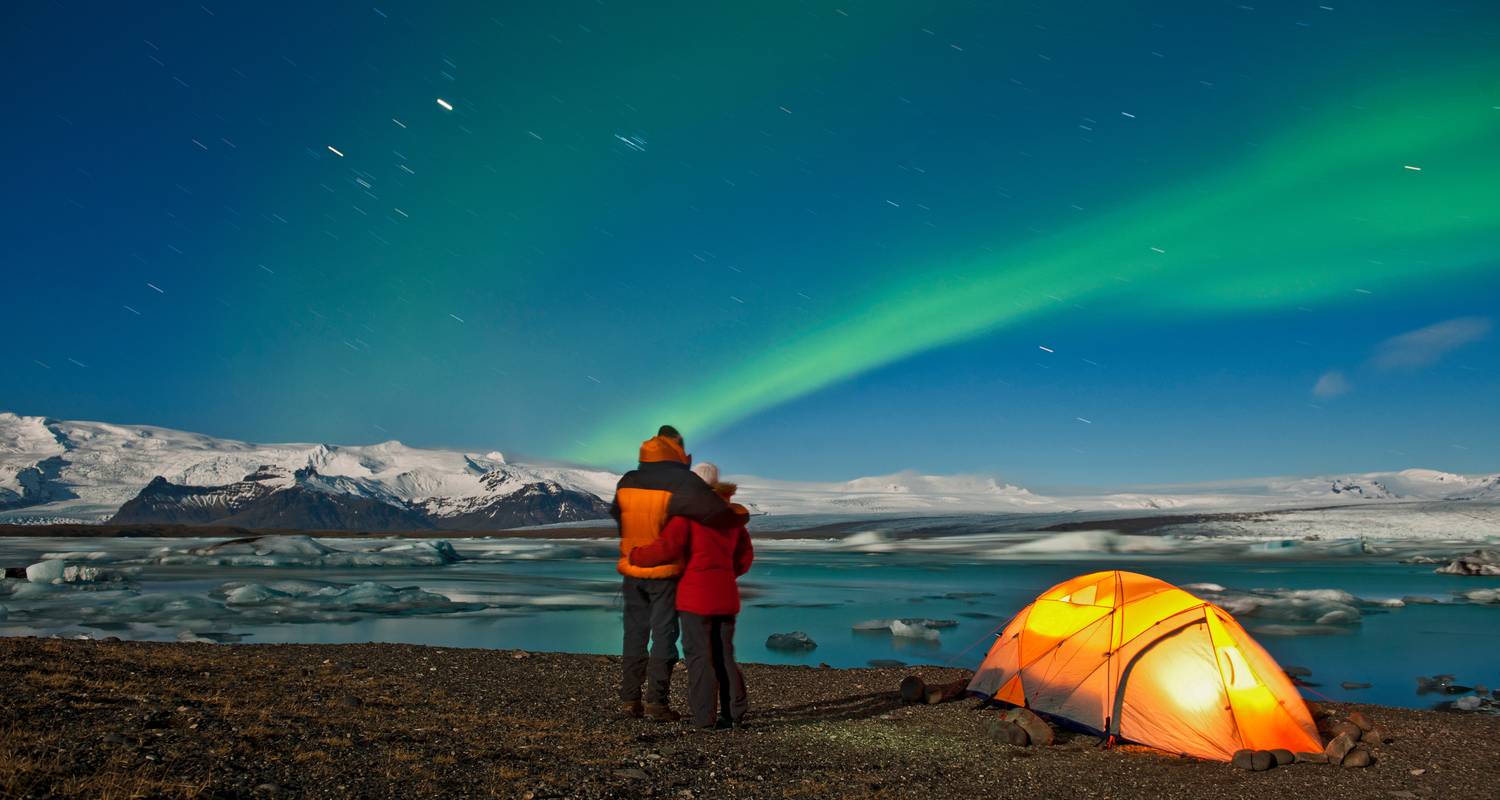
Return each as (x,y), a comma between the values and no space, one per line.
(660,488)
(708,600)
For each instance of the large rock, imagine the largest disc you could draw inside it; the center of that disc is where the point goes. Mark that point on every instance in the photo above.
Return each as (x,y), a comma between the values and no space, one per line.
(1353,730)
(1338,747)
(1243,759)
(1037,729)
(1358,757)
(1311,758)
(1374,736)
(1262,761)
(796,641)
(1359,718)
(1283,757)
(1006,732)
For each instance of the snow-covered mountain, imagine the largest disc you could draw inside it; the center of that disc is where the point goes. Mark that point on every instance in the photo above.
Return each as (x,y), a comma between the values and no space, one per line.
(910,492)
(55,471)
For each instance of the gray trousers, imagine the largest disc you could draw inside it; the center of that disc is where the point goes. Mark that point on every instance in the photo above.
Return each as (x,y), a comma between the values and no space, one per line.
(650,616)
(714,679)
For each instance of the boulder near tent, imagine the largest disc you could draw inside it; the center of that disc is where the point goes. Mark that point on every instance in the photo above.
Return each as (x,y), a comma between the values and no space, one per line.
(1137,658)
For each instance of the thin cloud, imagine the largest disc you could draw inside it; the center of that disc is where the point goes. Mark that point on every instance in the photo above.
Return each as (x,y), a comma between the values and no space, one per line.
(1331,384)
(1425,346)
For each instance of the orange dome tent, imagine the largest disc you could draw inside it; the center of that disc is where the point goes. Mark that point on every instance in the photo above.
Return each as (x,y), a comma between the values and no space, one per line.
(1139,658)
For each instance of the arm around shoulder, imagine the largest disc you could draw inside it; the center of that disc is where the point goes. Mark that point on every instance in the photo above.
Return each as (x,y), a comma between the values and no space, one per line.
(666,549)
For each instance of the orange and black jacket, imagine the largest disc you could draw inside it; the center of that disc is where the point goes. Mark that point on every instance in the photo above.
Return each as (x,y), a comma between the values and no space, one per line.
(660,488)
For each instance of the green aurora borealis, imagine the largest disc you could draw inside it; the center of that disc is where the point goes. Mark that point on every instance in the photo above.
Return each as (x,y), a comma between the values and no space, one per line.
(846,233)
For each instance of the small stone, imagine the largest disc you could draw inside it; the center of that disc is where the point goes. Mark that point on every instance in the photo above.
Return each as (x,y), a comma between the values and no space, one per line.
(1419,772)
(1354,685)
(268,788)
(1338,747)
(1243,759)
(350,701)
(1262,761)
(113,738)
(1373,736)
(632,774)
(1283,757)
(1359,718)
(1358,757)
(1470,703)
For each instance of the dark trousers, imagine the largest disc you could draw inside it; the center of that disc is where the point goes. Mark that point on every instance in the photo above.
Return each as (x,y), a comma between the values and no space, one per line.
(650,616)
(713,676)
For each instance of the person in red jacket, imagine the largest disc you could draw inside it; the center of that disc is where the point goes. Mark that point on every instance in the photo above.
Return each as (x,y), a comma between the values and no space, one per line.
(708,599)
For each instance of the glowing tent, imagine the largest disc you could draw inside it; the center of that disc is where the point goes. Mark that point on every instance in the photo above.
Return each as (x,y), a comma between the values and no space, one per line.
(1140,659)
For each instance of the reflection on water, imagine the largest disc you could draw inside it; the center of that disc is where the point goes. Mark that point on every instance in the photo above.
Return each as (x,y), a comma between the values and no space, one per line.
(1349,611)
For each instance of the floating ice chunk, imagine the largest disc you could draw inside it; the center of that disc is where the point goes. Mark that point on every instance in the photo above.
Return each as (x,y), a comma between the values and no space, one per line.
(1320,606)
(304,551)
(1482,596)
(1479,562)
(908,631)
(318,598)
(1339,616)
(74,573)
(575,600)
(869,542)
(77,555)
(49,571)
(909,628)
(1094,542)
(1203,588)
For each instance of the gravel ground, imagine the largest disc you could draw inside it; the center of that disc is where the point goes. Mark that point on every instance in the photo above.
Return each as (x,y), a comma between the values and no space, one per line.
(138,719)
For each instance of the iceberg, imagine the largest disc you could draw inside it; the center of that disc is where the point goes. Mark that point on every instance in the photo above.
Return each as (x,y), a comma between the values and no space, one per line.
(908,631)
(1321,607)
(49,571)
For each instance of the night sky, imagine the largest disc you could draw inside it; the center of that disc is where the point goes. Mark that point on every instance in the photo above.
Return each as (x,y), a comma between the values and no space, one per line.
(1069,244)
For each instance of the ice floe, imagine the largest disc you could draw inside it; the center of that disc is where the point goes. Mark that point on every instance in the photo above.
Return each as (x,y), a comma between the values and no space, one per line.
(322,600)
(304,551)
(909,628)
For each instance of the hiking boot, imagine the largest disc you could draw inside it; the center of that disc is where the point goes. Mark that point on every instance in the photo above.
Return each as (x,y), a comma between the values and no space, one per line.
(631,708)
(660,712)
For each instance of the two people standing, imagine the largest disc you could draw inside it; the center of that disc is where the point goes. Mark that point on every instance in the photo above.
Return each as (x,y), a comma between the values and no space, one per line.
(682,545)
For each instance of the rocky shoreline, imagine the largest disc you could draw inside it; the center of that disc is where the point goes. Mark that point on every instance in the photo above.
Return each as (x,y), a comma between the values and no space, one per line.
(130,719)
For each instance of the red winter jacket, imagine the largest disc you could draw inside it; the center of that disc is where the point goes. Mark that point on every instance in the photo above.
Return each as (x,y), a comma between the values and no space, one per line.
(715,557)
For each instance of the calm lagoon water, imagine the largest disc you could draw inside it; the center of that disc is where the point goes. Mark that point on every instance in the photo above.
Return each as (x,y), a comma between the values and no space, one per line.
(564,595)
